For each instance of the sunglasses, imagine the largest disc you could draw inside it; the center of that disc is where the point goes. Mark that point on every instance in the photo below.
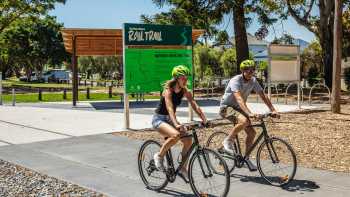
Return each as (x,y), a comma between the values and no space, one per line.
(252,69)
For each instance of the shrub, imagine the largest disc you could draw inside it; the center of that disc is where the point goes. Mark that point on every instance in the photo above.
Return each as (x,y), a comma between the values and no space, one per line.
(312,76)
(347,77)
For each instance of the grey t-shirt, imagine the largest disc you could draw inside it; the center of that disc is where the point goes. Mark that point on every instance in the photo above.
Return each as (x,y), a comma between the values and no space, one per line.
(236,84)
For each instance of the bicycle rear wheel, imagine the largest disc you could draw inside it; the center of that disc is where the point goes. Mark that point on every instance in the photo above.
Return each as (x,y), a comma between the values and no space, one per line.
(150,175)
(208,174)
(214,142)
(276,161)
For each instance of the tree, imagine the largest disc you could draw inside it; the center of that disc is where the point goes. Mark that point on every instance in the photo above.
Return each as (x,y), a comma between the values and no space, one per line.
(209,13)
(311,57)
(321,24)
(284,39)
(228,62)
(12,10)
(30,44)
(337,52)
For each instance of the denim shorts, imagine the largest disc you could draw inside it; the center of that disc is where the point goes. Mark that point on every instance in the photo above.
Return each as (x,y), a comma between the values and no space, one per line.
(159,119)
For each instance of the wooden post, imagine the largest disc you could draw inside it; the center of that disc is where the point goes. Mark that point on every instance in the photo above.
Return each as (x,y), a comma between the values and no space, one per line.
(88,93)
(40,95)
(13,97)
(110,91)
(64,94)
(337,54)
(0,88)
(75,72)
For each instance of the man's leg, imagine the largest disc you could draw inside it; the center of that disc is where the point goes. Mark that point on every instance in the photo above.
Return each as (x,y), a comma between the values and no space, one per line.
(242,123)
(249,142)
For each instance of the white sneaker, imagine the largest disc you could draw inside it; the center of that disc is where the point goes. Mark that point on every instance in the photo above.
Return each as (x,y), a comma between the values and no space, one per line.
(159,162)
(228,145)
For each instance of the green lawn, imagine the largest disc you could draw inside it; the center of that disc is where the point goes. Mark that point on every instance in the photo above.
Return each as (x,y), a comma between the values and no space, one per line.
(35,85)
(58,97)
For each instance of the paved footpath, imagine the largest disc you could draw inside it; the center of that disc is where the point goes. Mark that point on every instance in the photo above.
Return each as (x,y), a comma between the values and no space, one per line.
(108,164)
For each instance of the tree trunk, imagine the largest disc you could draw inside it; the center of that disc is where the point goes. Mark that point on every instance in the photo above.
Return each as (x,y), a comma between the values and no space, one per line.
(337,52)
(326,9)
(241,41)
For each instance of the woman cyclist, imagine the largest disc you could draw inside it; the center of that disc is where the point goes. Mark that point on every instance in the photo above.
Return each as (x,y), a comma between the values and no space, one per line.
(164,119)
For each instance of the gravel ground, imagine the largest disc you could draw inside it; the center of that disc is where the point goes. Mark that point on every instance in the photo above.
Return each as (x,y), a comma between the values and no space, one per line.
(319,137)
(16,181)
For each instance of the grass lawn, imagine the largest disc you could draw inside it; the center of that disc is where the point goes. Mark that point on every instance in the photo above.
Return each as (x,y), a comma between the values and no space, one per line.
(34,85)
(58,97)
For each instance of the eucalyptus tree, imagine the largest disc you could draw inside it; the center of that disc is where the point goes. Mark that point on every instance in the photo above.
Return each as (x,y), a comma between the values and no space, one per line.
(12,10)
(317,16)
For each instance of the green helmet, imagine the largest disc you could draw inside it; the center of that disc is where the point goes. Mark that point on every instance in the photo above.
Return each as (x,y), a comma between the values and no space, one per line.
(247,64)
(180,70)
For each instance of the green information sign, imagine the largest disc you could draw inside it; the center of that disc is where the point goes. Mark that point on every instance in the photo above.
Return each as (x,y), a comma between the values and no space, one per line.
(146,34)
(147,68)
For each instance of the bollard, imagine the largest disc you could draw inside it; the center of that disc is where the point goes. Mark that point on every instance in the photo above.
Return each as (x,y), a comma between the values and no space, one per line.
(64,94)
(110,92)
(13,97)
(87,93)
(40,95)
(0,88)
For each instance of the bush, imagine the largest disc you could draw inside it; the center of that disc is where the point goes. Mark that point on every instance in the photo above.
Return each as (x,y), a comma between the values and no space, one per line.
(347,77)
(312,76)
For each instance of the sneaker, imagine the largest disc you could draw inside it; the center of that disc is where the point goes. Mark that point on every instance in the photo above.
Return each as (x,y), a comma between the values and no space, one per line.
(228,145)
(250,165)
(184,175)
(159,162)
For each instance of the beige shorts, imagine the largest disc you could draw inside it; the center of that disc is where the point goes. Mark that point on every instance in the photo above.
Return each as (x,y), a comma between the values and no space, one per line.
(228,113)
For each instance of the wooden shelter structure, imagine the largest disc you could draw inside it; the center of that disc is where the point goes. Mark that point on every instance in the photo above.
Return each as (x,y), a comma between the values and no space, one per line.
(96,42)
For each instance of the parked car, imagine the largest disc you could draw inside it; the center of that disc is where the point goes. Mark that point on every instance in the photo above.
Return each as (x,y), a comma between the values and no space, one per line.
(33,77)
(56,75)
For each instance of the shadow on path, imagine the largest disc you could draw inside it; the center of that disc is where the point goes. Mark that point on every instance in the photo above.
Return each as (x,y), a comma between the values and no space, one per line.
(293,186)
(146,104)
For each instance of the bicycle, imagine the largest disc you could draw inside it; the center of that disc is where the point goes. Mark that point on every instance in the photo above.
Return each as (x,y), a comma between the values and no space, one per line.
(205,166)
(273,154)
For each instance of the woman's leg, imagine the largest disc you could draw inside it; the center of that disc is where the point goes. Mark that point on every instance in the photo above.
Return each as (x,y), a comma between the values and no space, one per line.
(173,136)
(187,142)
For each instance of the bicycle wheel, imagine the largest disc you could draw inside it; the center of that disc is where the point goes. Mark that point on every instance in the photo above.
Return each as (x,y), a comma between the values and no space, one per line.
(214,142)
(208,174)
(276,161)
(150,175)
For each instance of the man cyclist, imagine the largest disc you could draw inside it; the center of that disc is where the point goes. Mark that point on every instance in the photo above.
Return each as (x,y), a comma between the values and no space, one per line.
(235,96)
(165,121)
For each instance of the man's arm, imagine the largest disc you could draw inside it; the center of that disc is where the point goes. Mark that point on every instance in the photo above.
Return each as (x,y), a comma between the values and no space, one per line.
(241,102)
(267,101)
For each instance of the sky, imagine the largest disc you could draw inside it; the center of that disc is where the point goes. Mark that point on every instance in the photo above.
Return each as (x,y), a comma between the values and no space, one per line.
(111,14)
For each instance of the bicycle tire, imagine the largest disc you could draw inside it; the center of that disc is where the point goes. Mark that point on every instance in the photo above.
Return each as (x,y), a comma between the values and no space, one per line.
(147,167)
(219,173)
(286,160)
(214,142)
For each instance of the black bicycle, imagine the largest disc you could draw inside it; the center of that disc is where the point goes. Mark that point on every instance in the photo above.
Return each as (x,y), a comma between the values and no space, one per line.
(207,170)
(276,160)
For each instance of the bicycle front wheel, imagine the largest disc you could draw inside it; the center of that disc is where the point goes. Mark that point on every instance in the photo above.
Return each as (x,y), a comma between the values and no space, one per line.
(208,174)
(276,161)
(214,142)
(150,175)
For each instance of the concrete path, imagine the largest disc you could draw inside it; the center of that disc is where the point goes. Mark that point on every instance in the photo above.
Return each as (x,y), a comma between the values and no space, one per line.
(108,164)
(33,122)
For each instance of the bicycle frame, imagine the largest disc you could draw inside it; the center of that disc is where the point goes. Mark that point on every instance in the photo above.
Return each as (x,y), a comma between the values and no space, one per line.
(172,172)
(262,135)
